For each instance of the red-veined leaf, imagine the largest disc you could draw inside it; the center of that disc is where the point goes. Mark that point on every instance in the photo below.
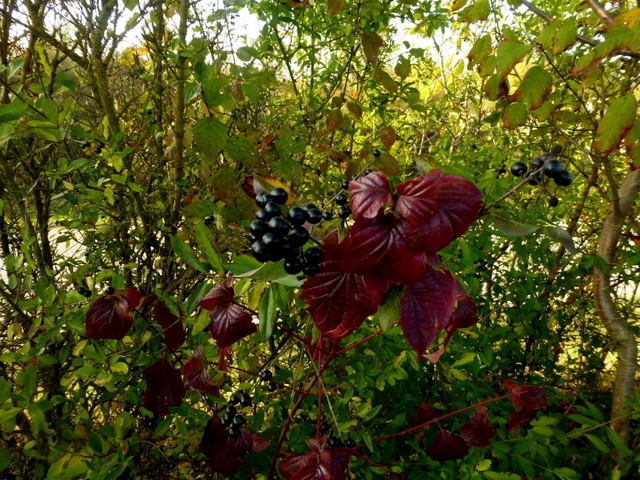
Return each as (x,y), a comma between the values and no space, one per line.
(418,198)
(447,446)
(426,307)
(164,388)
(231,323)
(110,317)
(174,332)
(195,375)
(478,432)
(369,195)
(423,414)
(527,396)
(338,301)
(219,296)
(318,464)
(520,418)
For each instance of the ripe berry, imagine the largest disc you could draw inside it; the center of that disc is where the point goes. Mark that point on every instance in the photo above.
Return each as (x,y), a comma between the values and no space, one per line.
(97,150)
(309,206)
(258,228)
(262,199)
(208,220)
(376,153)
(313,256)
(297,216)
(86,144)
(518,169)
(279,195)
(261,214)
(350,443)
(226,419)
(234,432)
(110,291)
(234,400)
(272,209)
(279,226)
(260,251)
(341,199)
(327,215)
(535,179)
(310,270)
(325,428)
(564,179)
(552,168)
(539,161)
(344,212)
(231,410)
(314,216)
(556,149)
(239,421)
(554,202)
(298,236)
(245,399)
(272,386)
(293,267)
(266,375)
(345,185)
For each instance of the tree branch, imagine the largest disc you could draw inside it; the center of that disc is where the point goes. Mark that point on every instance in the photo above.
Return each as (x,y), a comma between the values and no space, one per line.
(600,11)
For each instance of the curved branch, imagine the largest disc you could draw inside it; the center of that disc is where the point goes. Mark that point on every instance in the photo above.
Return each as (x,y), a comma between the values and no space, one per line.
(617,327)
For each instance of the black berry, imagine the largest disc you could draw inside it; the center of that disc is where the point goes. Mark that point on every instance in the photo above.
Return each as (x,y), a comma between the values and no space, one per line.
(260,251)
(554,202)
(234,400)
(327,215)
(314,216)
(272,386)
(535,178)
(110,291)
(556,149)
(234,432)
(266,375)
(350,443)
(297,216)
(345,185)
(376,153)
(344,212)
(310,270)
(279,226)
(293,267)
(245,399)
(279,195)
(262,199)
(552,168)
(298,236)
(341,199)
(539,161)
(258,228)
(564,179)
(272,209)
(239,421)
(313,256)
(518,169)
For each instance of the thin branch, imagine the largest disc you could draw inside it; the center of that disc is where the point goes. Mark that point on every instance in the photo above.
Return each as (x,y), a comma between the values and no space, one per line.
(600,11)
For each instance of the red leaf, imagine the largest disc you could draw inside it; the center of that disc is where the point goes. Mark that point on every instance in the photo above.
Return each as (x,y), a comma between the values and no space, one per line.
(195,375)
(478,432)
(423,414)
(369,195)
(526,396)
(318,464)
(219,296)
(231,323)
(520,418)
(458,204)
(164,387)
(447,446)
(223,453)
(426,307)
(174,332)
(110,317)
(379,245)
(338,301)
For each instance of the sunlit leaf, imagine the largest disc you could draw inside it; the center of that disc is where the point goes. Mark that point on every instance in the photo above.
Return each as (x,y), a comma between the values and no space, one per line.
(371,45)
(369,195)
(514,115)
(534,88)
(616,122)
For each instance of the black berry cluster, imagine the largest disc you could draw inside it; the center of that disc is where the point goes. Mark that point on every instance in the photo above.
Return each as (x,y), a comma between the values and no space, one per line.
(267,376)
(276,235)
(542,167)
(231,419)
(84,291)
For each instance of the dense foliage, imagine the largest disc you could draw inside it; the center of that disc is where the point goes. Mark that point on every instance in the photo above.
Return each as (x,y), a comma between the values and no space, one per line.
(328,250)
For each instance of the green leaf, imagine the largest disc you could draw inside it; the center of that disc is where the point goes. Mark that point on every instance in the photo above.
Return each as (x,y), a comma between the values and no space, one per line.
(29,380)
(514,115)
(67,467)
(214,91)
(9,414)
(210,136)
(476,12)
(186,254)
(534,88)
(334,6)
(12,111)
(464,359)
(616,39)
(240,149)
(480,50)
(267,312)
(560,235)
(565,36)
(205,241)
(5,458)
(511,228)
(508,55)
(389,312)
(598,443)
(246,54)
(403,68)
(224,184)
(617,442)
(371,45)
(616,122)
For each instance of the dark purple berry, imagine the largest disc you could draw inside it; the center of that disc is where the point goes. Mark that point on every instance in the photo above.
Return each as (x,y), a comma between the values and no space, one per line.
(557,149)
(314,216)
(345,185)
(298,236)
(310,270)
(297,216)
(245,399)
(260,251)
(279,195)
(344,212)
(272,386)
(554,202)
(564,179)
(279,226)
(341,199)
(313,256)
(376,153)
(272,209)
(518,169)
(350,443)
(327,215)
(293,267)
(234,432)
(234,400)
(266,376)
(258,228)
(239,421)
(552,168)
(110,291)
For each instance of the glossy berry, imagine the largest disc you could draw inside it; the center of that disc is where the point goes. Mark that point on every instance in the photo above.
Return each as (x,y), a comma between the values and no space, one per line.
(518,169)
(208,220)
(552,168)
(564,179)
(314,216)
(97,150)
(344,212)
(535,178)
(293,267)
(327,215)
(297,216)
(271,240)
(262,199)
(345,185)
(86,144)
(310,270)
(554,202)
(376,153)
(279,226)
(234,432)
(258,228)
(350,443)
(341,199)
(239,421)
(279,195)
(309,206)
(313,256)
(272,209)
(325,428)
(272,386)
(231,410)
(234,400)
(245,399)
(260,251)
(266,376)
(110,291)
(298,236)
(539,161)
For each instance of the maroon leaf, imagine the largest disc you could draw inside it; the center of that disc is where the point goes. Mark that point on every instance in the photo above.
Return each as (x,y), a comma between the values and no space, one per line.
(338,301)
(526,396)
(223,452)
(110,317)
(426,307)
(174,332)
(478,432)
(230,323)
(318,464)
(458,204)
(369,195)
(520,418)
(195,375)
(423,414)
(379,246)
(418,198)
(164,388)
(447,446)
(219,296)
